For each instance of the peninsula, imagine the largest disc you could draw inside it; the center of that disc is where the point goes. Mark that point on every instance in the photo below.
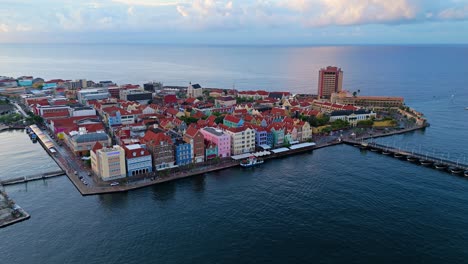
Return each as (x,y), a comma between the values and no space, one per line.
(111,138)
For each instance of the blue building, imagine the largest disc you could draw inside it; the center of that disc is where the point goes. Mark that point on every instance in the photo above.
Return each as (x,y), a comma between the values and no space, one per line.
(183,153)
(261,137)
(138,160)
(270,138)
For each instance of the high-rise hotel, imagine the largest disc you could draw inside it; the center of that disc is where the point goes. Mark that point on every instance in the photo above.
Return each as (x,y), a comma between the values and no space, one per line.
(330,81)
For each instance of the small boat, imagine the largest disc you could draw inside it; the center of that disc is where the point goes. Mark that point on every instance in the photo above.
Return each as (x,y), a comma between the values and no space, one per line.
(440,166)
(426,162)
(398,155)
(411,159)
(456,171)
(386,152)
(465,173)
(251,161)
(374,150)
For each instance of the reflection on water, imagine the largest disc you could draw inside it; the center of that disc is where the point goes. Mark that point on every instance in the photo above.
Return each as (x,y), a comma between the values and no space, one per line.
(163,192)
(199,183)
(114,200)
(19,157)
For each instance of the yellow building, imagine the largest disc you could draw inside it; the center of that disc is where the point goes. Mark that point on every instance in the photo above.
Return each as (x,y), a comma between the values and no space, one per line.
(108,163)
(345,98)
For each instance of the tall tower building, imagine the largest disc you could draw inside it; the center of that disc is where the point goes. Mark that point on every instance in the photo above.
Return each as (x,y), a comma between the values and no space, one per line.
(330,81)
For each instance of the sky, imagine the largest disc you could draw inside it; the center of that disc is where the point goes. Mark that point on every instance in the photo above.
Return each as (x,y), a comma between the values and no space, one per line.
(275,22)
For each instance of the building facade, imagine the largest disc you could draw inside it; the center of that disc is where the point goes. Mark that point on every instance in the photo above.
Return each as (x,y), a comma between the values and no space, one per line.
(183,153)
(242,140)
(161,148)
(220,139)
(196,139)
(330,81)
(108,163)
(138,160)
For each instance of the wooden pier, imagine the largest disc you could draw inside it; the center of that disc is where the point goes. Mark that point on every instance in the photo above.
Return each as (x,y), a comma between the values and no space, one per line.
(438,163)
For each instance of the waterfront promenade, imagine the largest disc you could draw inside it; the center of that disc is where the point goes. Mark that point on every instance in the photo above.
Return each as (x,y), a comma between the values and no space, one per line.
(86,184)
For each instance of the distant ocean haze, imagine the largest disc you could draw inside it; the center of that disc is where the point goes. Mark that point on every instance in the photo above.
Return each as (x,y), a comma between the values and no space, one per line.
(416,72)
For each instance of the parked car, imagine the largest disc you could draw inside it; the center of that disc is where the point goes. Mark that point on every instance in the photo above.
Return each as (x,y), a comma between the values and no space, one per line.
(114,184)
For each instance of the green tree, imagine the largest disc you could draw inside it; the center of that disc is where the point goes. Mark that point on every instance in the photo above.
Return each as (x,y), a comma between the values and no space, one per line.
(219,119)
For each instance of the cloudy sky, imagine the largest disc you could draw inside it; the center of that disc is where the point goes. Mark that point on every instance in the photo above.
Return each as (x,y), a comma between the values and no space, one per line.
(235,21)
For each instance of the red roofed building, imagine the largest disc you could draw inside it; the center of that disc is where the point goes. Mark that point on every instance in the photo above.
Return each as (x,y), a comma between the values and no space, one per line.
(161,148)
(195,138)
(138,160)
(170,99)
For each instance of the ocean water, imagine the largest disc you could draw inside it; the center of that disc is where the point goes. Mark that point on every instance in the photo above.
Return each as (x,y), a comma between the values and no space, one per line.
(335,205)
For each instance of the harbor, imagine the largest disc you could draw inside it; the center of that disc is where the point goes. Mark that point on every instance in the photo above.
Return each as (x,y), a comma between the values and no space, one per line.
(93,186)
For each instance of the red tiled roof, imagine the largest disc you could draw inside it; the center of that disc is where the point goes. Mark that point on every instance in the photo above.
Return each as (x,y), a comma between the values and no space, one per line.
(172,111)
(135,153)
(97,146)
(232,119)
(191,131)
(155,138)
(170,99)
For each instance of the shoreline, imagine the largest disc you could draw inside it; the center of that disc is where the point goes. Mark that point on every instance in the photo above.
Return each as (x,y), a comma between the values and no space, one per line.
(85,191)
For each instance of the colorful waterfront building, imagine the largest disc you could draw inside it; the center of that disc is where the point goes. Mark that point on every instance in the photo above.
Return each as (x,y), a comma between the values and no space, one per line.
(233,121)
(211,150)
(161,148)
(183,153)
(242,139)
(138,159)
(108,163)
(219,138)
(195,138)
(277,131)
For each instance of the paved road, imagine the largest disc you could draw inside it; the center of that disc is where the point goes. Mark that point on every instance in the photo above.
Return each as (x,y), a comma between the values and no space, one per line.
(20,109)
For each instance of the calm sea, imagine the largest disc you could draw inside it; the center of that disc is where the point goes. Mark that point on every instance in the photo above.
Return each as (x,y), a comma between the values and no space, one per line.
(336,205)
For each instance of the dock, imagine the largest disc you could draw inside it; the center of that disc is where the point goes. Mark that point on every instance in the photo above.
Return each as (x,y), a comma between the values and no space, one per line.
(35,177)
(426,160)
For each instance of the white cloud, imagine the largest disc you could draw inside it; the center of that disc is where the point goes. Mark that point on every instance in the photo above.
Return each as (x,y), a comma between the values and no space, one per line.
(131,11)
(150,2)
(23,28)
(453,13)
(4,28)
(352,12)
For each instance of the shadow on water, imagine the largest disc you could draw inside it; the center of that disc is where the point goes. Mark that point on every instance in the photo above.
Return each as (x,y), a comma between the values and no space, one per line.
(114,200)
(199,183)
(163,192)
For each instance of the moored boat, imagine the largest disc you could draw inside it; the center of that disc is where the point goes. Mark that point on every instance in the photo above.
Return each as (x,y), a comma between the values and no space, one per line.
(374,150)
(465,173)
(251,161)
(411,159)
(386,152)
(398,155)
(456,171)
(440,166)
(426,162)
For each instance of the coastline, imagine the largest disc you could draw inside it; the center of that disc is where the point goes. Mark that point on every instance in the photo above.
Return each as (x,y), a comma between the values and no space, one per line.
(145,182)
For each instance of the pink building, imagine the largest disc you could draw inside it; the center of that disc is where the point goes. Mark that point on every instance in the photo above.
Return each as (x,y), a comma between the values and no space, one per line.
(217,136)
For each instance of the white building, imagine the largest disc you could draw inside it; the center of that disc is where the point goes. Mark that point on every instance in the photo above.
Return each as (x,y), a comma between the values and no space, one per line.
(242,139)
(194,90)
(353,117)
(92,94)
